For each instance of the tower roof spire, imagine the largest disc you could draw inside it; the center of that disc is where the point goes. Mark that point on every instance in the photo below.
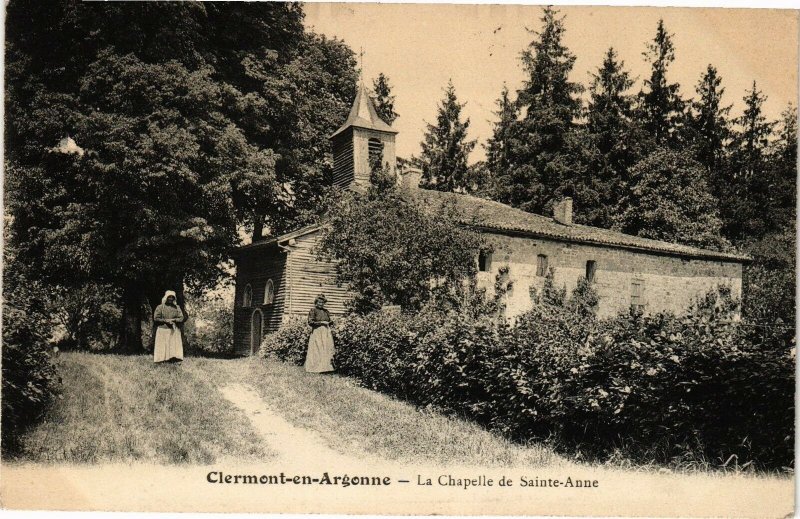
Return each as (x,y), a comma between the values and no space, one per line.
(363,114)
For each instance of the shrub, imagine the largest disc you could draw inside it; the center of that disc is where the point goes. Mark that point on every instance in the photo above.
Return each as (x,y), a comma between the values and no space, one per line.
(660,388)
(210,325)
(376,349)
(289,343)
(88,316)
(29,376)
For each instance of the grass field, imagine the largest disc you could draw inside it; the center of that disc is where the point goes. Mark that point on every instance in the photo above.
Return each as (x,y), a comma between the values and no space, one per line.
(125,408)
(357,421)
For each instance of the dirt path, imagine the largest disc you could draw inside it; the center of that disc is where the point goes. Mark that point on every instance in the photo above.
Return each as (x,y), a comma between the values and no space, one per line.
(182,488)
(295,445)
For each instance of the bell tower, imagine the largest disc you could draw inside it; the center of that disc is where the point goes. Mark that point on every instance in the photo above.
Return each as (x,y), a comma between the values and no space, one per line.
(362,138)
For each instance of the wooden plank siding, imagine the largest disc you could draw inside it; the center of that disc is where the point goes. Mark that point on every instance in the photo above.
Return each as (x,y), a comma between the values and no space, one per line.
(344,159)
(256,267)
(308,277)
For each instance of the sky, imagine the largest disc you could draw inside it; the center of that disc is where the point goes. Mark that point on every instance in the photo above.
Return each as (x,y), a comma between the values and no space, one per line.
(421,46)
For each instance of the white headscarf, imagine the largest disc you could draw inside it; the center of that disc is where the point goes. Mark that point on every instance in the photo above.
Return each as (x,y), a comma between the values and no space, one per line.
(167,294)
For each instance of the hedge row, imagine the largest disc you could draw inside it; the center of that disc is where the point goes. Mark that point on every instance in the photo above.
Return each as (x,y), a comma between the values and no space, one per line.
(30,379)
(660,388)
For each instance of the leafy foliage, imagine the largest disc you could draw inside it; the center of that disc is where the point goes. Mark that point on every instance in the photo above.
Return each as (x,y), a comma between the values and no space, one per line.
(211,329)
(613,141)
(87,316)
(138,149)
(289,343)
(497,146)
(30,380)
(669,200)
(681,391)
(541,157)
(709,128)
(406,257)
(661,106)
(769,282)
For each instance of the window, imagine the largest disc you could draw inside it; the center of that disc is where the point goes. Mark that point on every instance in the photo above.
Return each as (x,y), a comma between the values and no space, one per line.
(269,292)
(375,150)
(541,265)
(591,267)
(247,296)
(485,261)
(637,295)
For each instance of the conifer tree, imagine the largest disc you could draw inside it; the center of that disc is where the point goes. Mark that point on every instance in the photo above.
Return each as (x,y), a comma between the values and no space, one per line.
(746,203)
(384,100)
(661,106)
(616,141)
(709,129)
(540,159)
(497,145)
(446,148)
(783,168)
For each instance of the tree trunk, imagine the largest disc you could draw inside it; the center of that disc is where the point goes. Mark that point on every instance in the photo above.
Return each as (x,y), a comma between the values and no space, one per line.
(129,339)
(258,227)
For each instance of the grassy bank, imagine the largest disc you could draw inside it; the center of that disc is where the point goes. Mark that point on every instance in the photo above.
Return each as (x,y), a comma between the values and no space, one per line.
(359,422)
(125,408)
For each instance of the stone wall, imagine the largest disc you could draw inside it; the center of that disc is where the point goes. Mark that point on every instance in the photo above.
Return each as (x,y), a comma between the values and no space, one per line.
(668,283)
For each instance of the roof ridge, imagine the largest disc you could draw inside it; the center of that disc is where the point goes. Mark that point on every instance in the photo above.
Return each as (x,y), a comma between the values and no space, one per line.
(518,220)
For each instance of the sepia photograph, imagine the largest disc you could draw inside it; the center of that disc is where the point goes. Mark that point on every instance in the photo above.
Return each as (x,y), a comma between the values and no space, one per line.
(399,259)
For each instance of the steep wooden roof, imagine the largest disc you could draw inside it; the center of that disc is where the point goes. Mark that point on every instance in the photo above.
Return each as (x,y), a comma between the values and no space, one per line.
(363,115)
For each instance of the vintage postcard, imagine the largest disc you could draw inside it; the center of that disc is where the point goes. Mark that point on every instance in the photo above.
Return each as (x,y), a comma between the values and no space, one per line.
(399,259)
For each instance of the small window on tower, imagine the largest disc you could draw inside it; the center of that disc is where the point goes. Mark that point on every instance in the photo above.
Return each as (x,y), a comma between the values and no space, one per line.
(375,152)
(541,265)
(591,267)
(484,261)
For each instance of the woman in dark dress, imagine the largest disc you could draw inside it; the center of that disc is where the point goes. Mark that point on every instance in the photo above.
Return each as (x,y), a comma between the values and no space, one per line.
(319,358)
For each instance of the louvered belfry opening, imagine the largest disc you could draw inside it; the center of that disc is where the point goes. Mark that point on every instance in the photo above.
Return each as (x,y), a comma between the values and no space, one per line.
(359,142)
(375,147)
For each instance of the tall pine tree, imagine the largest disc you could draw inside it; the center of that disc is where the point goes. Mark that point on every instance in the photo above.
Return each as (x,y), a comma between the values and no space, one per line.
(746,199)
(541,166)
(661,106)
(384,100)
(709,128)
(497,146)
(616,141)
(446,148)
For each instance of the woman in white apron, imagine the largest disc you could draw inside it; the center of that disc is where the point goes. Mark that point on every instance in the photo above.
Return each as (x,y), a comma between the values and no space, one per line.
(319,358)
(169,343)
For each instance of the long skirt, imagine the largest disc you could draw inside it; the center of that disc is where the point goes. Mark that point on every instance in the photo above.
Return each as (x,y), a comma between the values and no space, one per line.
(319,358)
(169,344)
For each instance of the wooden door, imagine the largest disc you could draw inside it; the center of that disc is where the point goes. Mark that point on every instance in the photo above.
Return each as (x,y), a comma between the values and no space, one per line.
(256,329)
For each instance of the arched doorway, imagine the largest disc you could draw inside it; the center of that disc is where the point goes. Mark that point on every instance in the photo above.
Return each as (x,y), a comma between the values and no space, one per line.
(256,329)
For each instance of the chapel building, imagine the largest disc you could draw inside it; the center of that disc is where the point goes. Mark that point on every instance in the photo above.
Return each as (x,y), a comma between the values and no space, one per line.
(278,278)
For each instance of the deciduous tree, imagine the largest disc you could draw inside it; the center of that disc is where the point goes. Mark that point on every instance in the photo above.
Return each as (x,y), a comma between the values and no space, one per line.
(669,200)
